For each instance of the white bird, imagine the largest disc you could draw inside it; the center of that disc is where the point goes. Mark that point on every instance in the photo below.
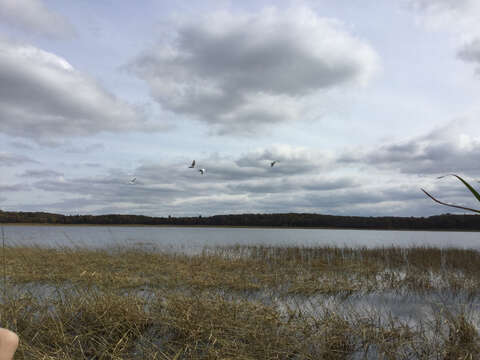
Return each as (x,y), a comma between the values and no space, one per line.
(193,165)
(132,180)
(273,163)
(202,171)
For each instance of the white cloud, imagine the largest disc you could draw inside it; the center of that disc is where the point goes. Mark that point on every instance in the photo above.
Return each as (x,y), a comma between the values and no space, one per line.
(459,18)
(239,72)
(42,97)
(33,15)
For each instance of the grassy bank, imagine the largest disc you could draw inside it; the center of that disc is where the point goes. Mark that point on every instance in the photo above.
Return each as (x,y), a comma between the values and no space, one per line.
(242,303)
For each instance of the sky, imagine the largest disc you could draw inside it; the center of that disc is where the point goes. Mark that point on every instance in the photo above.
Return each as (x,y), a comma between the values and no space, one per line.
(362,103)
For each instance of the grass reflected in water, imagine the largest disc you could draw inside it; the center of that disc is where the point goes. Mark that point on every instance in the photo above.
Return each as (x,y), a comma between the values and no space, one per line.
(246,302)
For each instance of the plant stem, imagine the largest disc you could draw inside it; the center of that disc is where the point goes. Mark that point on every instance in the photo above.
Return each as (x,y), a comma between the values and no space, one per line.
(4,265)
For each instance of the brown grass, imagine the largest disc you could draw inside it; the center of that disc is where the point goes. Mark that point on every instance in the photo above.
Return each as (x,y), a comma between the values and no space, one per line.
(130,304)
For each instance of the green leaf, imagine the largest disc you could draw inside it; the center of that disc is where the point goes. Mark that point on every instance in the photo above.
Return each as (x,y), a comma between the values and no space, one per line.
(472,190)
(451,205)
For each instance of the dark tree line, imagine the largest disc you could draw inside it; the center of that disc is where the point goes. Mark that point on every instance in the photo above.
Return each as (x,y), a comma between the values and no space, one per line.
(438,222)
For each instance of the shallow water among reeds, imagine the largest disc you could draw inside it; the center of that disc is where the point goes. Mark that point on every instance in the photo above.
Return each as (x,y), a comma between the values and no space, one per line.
(252,302)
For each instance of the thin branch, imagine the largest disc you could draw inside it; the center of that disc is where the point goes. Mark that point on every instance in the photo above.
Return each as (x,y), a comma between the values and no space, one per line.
(451,205)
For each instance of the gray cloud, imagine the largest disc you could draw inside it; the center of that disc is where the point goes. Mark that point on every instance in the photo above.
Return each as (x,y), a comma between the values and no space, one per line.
(388,182)
(241,72)
(68,206)
(173,188)
(14,187)
(209,195)
(41,174)
(292,160)
(292,184)
(471,53)
(439,152)
(37,101)
(33,15)
(92,165)
(21,145)
(85,149)
(244,184)
(9,159)
(438,5)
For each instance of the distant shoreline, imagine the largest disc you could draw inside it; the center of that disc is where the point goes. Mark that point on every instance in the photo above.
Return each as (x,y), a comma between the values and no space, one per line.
(444,222)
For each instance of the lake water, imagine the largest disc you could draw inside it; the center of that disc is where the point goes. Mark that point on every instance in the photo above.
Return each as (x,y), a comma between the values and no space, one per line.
(194,239)
(409,307)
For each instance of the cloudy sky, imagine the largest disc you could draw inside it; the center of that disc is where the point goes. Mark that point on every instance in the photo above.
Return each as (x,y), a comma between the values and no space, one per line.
(362,103)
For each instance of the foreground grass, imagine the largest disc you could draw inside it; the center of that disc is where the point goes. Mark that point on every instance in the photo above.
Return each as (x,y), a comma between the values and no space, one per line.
(126,304)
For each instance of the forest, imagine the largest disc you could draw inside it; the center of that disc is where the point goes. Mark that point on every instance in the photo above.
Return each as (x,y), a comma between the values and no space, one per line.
(437,222)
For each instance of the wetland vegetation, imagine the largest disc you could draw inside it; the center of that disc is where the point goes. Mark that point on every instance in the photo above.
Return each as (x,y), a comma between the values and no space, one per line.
(243,302)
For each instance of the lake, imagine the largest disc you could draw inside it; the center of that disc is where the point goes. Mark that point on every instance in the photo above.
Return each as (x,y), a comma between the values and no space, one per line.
(193,240)
(386,305)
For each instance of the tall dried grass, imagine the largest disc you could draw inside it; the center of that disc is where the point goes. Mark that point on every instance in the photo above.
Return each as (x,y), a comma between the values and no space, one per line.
(131,304)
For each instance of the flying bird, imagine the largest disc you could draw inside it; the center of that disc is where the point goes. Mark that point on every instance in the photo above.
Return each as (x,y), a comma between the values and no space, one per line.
(132,180)
(202,171)
(193,165)
(273,163)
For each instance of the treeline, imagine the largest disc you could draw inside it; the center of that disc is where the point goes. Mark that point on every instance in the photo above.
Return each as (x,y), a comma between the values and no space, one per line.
(438,222)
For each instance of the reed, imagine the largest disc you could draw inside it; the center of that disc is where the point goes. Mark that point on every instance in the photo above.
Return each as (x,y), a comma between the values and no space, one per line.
(248,302)
(4,262)
(467,185)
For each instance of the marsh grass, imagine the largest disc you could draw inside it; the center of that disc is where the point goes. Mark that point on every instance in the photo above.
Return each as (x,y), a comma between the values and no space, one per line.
(239,303)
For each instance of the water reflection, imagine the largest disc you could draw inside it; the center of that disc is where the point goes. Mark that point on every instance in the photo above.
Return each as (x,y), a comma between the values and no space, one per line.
(409,308)
(384,305)
(193,240)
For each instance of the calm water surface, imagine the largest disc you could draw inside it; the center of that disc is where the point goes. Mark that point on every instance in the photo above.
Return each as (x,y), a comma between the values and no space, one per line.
(409,307)
(193,240)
